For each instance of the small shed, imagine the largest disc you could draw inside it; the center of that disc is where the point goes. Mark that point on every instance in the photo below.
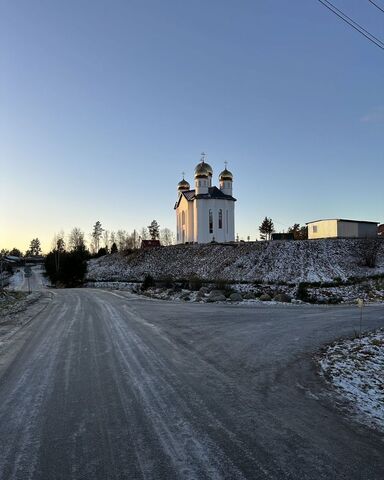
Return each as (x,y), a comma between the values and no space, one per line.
(341,228)
(283,236)
(150,243)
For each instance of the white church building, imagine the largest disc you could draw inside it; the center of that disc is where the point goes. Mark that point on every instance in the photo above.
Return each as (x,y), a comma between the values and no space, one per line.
(206,213)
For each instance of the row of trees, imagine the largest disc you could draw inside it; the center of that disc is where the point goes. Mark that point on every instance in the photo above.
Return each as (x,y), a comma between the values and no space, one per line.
(267,228)
(102,241)
(34,250)
(66,263)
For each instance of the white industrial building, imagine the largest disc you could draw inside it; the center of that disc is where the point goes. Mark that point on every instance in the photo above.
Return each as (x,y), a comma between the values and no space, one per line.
(206,213)
(341,228)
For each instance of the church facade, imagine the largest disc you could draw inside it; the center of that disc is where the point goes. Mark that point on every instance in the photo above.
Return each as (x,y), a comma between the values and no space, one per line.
(206,213)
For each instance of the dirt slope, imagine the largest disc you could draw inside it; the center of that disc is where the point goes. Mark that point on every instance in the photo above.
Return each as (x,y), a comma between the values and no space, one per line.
(276,261)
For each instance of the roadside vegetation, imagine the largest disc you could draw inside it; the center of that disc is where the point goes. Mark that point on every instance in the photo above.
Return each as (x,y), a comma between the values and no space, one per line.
(355,368)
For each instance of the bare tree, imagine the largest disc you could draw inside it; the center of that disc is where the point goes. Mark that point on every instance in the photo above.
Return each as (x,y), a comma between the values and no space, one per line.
(112,238)
(167,237)
(56,238)
(121,239)
(135,238)
(106,239)
(76,239)
(144,234)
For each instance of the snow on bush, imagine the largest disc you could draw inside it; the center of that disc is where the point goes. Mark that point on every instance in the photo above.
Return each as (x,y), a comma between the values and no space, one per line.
(355,368)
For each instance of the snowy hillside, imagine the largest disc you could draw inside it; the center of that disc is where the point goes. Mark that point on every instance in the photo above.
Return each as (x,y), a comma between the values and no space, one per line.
(275,261)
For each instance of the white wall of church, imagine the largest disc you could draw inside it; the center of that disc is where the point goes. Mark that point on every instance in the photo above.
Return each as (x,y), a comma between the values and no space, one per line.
(183,221)
(214,220)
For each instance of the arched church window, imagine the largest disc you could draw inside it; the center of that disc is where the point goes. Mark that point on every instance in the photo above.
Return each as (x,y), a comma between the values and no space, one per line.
(210,221)
(220,218)
(183,218)
(226,219)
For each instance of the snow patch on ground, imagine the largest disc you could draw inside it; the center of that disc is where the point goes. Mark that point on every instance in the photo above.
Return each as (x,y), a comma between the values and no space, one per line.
(356,369)
(274,261)
(16,310)
(275,267)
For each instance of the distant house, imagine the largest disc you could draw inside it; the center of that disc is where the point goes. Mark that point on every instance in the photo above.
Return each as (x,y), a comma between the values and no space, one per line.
(150,243)
(380,231)
(341,228)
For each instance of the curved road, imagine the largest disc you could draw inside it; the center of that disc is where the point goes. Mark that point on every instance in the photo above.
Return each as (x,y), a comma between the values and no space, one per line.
(106,385)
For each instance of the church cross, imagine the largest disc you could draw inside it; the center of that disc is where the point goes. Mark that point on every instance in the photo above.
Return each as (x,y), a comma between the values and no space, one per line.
(225,163)
(203,155)
(183,173)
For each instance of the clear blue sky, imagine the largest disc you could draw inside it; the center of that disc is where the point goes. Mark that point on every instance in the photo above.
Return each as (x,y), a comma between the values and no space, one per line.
(104,103)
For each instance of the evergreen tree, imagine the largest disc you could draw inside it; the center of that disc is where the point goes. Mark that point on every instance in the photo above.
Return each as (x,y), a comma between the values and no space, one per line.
(35,247)
(96,235)
(15,252)
(114,248)
(299,233)
(266,229)
(154,228)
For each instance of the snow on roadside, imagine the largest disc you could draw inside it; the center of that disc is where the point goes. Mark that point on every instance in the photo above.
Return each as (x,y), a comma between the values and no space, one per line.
(356,369)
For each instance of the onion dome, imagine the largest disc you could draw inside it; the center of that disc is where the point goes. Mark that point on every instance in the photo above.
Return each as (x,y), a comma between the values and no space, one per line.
(226,175)
(203,170)
(183,185)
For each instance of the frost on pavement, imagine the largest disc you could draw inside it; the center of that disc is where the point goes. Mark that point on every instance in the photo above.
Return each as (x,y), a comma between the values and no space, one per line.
(356,369)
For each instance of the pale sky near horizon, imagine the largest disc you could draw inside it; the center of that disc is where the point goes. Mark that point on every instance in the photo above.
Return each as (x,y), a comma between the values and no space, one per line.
(104,103)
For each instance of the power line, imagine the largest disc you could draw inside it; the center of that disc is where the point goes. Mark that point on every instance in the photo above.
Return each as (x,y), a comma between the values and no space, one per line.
(377,6)
(379,43)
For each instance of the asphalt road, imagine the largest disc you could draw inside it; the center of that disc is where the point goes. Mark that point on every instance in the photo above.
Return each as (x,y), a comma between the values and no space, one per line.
(110,386)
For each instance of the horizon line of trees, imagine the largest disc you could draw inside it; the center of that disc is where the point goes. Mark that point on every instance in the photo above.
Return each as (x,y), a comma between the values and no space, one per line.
(100,240)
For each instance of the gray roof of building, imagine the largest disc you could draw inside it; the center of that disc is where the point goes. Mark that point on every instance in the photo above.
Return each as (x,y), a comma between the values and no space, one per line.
(341,220)
(213,192)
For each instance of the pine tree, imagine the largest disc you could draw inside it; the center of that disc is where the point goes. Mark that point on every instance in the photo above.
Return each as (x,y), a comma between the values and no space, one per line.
(96,235)
(266,229)
(114,248)
(35,247)
(299,233)
(154,228)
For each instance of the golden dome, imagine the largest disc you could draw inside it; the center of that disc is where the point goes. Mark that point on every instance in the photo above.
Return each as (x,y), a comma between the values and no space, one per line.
(226,175)
(203,169)
(183,185)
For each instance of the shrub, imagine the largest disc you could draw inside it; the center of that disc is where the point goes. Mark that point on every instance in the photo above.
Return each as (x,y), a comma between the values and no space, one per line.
(167,282)
(369,252)
(223,285)
(195,283)
(148,282)
(302,292)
